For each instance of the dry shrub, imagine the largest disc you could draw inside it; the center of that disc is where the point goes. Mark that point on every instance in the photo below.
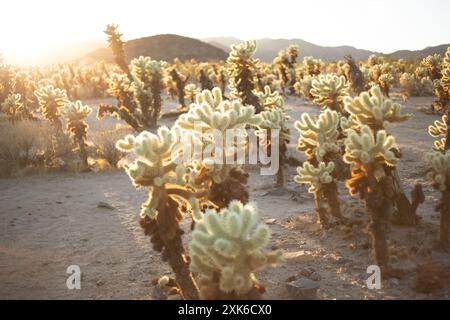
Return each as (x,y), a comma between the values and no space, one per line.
(23,144)
(105,144)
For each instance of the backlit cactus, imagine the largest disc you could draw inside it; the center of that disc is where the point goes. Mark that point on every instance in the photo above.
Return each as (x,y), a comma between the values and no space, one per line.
(440,130)
(51,100)
(440,175)
(138,94)
(329,91)
(75,114)
(374,110)
(117,46)
(227,248)
(445,81)
(365,149)
(275,119)
(12,107)
(370,155)
(212,114)
(270,99)
(156,168)
(241,68)
(316,177)
(319,139)
(191,92)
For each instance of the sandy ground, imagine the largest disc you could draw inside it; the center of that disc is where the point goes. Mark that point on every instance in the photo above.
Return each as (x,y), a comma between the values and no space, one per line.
(51,221)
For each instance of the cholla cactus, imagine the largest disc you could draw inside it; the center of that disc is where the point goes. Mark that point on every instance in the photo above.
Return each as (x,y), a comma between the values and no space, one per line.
(50,102)
(440,174)
(275,119)
(369,155)
(241,67)
(191,92)
(445,81)
(139,99)
(227,249)
(323,186)
(208,116)
(117,46)
(180,81)
(385,81)
(433,64)
(374,110)
(329,91)
(12,107)
(312,66)
(354,75)
(304,86)
(156,168)
(75,114)
(319,139)
(440,129)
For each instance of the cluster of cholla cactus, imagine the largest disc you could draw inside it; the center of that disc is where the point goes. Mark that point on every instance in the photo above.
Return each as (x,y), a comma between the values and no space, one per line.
(14,108)
(156,168)
(319,140)
(139,97)
(241,68)
(76,114)
(223,256)
(375,111)
(329,90)
(227,249)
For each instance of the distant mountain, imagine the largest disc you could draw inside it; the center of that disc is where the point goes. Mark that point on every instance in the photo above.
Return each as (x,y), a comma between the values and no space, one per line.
(268,49)
(163,47)
(419,54)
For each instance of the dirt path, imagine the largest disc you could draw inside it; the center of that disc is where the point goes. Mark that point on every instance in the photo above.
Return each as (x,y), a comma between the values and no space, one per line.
(49,222)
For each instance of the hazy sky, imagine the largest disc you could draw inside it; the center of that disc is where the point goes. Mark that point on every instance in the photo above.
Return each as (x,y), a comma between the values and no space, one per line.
(30,28)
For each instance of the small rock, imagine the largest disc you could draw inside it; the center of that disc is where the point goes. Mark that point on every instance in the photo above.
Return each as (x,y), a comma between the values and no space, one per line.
(99,283)
(298,256)
(58,202)
(303,289)
(271,221)
(105,205)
